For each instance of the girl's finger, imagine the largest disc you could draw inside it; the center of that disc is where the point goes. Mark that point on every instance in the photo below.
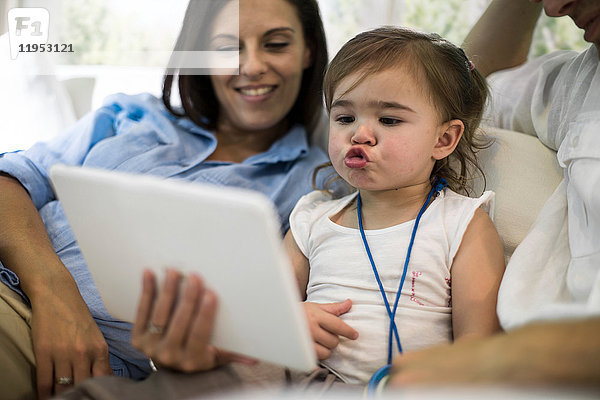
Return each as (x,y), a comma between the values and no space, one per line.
(323,353)
(326,339)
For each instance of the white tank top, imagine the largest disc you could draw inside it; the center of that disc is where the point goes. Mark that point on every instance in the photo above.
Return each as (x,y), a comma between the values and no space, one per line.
(340,270)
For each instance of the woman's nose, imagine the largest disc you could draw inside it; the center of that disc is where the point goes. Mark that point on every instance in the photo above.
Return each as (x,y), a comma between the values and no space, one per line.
(364,134)
(252,64)
(558,8)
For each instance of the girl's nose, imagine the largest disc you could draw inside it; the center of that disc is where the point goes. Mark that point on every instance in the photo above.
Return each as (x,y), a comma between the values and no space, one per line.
(364,134)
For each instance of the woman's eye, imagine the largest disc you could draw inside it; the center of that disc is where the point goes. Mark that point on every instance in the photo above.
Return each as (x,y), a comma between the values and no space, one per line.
(389,121)
(344,119)
(228,48)
(276,45)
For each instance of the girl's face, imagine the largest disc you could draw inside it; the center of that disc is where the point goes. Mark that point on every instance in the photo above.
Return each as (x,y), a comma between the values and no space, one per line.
(384,134)
(273,56)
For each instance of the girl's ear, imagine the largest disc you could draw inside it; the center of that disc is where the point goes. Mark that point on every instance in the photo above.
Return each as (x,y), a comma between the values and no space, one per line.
(450,134)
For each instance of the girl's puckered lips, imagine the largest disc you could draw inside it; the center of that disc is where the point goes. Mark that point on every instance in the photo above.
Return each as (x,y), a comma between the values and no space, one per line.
(356,158)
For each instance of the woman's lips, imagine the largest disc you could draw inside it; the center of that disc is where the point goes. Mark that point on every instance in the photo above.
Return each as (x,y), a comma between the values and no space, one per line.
(256,93)
(356,158)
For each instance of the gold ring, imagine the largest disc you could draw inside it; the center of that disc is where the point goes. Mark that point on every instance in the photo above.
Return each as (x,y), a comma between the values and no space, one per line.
(155,329)
(64,380)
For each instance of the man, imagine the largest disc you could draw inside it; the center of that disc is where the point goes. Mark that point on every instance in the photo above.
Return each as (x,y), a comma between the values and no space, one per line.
(549,301)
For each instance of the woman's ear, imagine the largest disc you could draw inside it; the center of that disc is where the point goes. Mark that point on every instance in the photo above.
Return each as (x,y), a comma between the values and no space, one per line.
(450,134)
(307,57)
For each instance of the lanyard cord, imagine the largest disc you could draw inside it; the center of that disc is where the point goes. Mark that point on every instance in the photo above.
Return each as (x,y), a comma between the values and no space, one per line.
(393,332)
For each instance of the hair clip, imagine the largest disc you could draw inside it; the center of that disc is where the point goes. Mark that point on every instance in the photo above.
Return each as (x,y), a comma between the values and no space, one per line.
(470,65)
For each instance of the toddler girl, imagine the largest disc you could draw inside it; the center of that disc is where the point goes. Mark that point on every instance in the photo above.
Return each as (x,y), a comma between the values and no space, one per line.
(404,262)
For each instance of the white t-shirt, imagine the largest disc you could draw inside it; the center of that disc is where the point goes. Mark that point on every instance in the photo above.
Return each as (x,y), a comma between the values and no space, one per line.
(555,271)
(340,270)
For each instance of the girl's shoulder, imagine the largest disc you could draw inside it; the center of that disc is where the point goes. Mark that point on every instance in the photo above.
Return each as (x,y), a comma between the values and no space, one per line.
(321,200)
(454,202)
(318,204)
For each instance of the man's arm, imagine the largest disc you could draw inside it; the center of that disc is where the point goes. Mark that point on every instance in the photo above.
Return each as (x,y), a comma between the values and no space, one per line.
(559,353)
(502,36)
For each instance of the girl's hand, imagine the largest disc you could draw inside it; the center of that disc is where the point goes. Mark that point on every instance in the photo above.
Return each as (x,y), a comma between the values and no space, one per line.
(175,331)
(326,326)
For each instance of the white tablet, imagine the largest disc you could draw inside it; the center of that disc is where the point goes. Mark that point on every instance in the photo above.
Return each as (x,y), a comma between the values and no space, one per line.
(125,223)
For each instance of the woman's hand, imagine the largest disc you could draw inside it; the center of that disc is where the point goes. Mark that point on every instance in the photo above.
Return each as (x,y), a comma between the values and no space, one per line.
(175,331)
(326,326)
(67,343)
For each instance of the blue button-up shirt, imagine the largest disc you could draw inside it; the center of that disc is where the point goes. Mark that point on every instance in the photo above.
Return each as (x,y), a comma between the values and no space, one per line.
(137,134)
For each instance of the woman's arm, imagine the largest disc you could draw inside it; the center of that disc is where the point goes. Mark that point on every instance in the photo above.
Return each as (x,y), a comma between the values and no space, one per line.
(502,36)
(476,273)
(66,340)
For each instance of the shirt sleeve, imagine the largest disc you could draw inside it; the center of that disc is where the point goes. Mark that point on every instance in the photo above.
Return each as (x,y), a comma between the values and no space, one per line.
(31,167)
(303,216)
(464,214)
(521,96)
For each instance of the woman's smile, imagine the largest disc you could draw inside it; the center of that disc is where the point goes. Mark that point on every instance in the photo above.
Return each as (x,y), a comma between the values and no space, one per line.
(257,93)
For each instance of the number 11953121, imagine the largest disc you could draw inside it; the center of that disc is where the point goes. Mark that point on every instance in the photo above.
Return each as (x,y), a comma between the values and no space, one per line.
(46,48)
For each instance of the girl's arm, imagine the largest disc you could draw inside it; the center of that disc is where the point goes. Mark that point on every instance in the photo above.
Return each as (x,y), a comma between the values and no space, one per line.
(476,273)
(324,320)
(299,262)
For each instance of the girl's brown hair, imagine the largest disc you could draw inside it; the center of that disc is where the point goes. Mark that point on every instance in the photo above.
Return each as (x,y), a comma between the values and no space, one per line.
(456,89)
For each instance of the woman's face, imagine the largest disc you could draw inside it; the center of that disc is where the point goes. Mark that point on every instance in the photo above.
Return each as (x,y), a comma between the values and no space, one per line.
(273,56)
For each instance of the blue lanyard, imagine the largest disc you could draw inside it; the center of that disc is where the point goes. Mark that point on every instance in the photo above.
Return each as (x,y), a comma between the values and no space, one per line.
(438,185)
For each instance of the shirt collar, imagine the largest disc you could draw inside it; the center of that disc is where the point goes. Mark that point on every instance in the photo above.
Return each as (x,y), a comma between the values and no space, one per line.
(289,147)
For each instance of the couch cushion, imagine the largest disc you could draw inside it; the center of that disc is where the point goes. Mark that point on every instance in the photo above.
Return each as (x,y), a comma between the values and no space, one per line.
(523,173)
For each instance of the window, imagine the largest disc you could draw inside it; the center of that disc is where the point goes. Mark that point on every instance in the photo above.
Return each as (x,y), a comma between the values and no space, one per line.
(452,19)
(106,33)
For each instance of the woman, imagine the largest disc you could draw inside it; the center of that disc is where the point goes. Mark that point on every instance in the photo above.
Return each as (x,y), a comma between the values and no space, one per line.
(246,130)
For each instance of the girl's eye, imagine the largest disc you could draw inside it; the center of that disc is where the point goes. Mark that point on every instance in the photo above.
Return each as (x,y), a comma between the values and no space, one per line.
(389,121)
(344,119)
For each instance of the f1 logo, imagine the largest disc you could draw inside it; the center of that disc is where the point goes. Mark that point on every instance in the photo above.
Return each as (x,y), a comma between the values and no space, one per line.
(27,26)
